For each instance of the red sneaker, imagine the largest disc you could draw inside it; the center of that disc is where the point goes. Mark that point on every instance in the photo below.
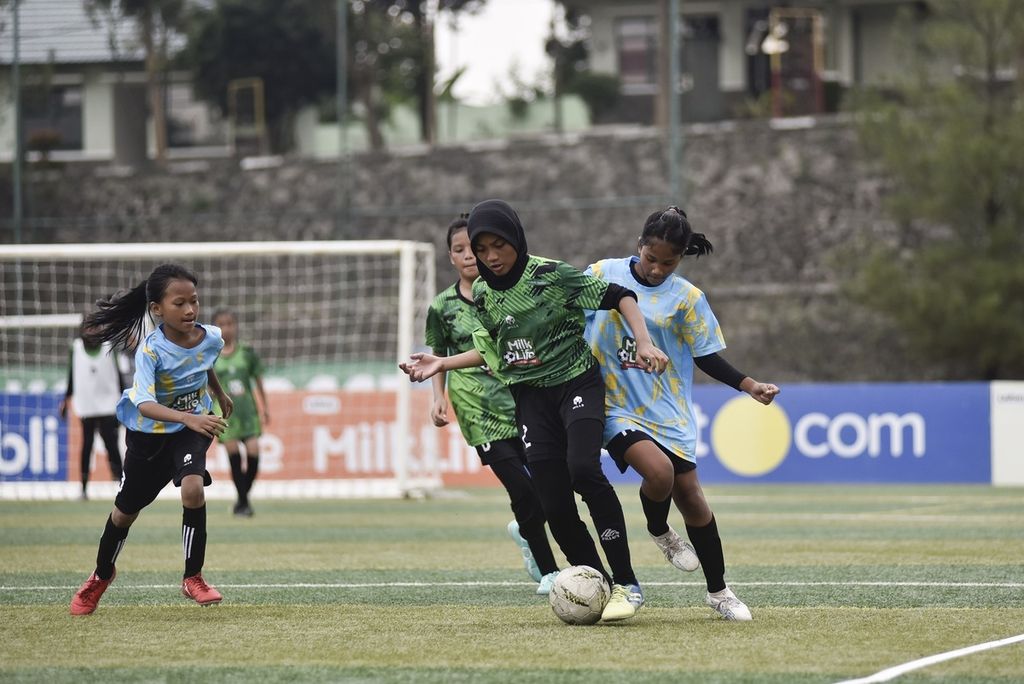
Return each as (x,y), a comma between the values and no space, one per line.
(196,588)
(86,598)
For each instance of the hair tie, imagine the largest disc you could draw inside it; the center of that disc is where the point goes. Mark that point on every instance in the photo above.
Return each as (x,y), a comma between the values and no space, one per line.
(464,216)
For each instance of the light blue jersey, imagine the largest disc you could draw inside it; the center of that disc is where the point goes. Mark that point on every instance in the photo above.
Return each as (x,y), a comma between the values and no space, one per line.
(172,376)
(683,326)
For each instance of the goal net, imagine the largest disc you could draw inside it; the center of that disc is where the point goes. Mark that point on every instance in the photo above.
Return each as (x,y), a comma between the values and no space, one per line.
(329,320)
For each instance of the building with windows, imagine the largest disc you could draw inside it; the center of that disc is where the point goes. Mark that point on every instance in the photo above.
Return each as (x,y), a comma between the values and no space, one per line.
(83,89)
(747,56)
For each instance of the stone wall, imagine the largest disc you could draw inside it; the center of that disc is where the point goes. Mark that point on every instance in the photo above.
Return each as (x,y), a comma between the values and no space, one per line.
(778,205)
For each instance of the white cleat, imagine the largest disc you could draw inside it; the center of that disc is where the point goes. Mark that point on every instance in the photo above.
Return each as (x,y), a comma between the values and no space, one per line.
(730,607)
(678,552)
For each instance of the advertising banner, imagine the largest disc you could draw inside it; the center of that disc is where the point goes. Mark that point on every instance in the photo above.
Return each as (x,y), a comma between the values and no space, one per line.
(906,433)
(838,433)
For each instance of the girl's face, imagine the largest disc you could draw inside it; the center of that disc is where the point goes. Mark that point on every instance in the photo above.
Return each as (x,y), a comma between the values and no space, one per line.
(228,327)
(495,251)
(658,260)
(179,307)
(462,257)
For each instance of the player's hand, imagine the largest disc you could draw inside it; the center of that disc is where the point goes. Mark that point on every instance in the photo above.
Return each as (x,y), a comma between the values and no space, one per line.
(208,424)
(227,406)
(653,358)
(62,408)
(764,392)
(439,412)
(421,366)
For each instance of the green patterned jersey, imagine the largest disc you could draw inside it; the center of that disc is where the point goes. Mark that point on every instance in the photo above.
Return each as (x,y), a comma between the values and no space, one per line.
(536,326)
(483,405)
(236,372)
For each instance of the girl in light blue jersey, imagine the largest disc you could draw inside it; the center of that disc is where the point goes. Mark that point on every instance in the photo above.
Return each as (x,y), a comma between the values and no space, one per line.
(650,423)
(168,416)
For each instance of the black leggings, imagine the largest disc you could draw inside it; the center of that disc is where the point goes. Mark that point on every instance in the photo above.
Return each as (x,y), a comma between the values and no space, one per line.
(580,472)
(527,509)
(107,427)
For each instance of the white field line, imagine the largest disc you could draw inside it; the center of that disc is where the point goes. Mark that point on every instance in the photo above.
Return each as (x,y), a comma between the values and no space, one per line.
(894,672)
(880,516)
(397,585)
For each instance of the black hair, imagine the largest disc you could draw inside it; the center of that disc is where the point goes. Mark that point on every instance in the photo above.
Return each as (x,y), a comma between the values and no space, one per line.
(224,311)
(457,224)
(119,319)
(672,226)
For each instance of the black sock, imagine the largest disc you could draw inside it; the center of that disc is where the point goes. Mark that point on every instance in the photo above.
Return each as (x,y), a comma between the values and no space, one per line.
(111,543)
(252,466)
(193,538)
(606,512)
(656,513)
(583,459)
(708,546)
(527,510)
(237,476)
(554,488)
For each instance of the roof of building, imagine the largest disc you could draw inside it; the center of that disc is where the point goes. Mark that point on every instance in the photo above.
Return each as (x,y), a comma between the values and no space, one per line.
(62,31)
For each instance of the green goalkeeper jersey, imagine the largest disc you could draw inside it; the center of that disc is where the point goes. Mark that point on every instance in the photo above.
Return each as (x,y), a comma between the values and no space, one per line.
(535,328)
(236,372)
(483,405)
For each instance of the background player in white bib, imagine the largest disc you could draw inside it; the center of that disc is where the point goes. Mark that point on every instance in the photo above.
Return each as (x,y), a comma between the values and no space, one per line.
(95,383)
(650,423)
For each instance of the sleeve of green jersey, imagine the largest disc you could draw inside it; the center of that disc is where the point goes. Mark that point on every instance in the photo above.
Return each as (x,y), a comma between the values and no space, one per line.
(255,364)
(434,332)
(582,291)
(484,344)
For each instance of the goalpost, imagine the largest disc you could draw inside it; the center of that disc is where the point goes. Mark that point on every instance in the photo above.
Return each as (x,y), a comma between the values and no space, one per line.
(330,320)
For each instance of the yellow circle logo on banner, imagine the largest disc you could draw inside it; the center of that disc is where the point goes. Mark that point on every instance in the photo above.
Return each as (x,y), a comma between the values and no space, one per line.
(749,438)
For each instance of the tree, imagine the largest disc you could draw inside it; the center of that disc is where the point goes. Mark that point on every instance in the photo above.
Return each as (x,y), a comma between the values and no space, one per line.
(422,14)
(289,44)
(155,20)
(951,137)
(570,53)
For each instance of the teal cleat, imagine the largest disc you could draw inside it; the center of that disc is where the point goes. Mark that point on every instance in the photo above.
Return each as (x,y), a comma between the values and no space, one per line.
(544,588)
(531,565)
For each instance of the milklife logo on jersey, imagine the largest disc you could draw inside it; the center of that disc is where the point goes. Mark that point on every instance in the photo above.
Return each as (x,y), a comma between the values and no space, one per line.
(519,352)
(627,354)
(186,402)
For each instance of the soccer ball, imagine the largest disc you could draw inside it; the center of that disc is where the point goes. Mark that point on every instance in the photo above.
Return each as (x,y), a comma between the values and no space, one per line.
(579,594)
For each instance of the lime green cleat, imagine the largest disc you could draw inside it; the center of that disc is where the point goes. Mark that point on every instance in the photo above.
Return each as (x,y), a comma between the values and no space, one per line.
(624,602)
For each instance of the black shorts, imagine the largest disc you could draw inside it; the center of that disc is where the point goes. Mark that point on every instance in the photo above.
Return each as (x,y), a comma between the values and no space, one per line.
(621,442)
(502,450)
(153,460)
(545,413)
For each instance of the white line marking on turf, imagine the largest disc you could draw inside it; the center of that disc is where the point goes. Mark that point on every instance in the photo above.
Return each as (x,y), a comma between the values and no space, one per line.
(362,585)
(894,672)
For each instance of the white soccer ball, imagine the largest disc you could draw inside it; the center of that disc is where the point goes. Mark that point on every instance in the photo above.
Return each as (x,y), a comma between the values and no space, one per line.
(579,594)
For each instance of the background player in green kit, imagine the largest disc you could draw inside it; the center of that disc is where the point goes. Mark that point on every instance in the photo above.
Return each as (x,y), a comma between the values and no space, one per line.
(530,311)
(485,409)
(241,374)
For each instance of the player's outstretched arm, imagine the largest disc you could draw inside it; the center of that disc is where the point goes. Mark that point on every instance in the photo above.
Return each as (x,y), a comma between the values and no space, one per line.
(421,366)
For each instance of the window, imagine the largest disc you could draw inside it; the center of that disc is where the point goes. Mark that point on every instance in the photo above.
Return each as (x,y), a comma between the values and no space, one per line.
(636,40)
(52,117)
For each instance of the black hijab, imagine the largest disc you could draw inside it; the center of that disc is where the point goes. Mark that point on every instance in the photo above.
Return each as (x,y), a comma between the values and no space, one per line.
(498,217)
